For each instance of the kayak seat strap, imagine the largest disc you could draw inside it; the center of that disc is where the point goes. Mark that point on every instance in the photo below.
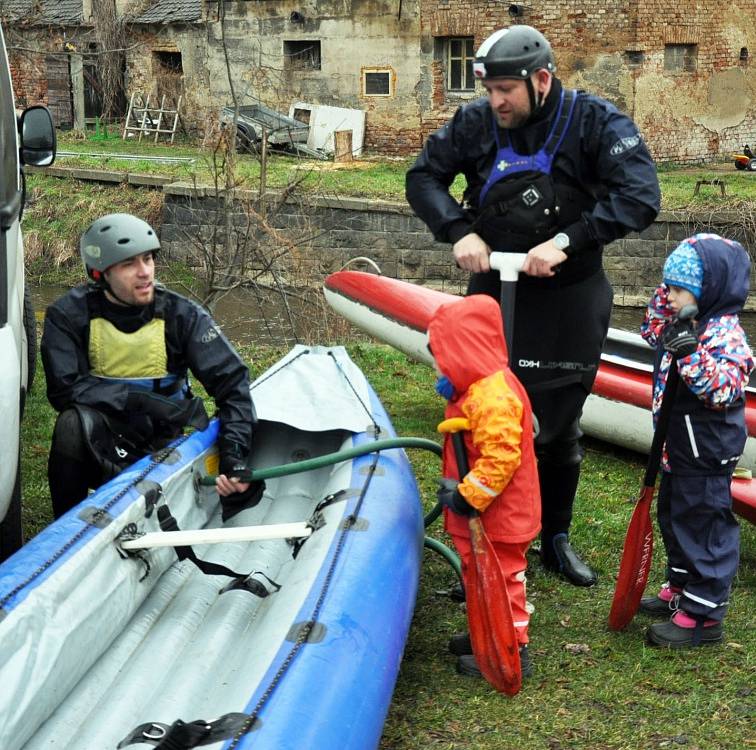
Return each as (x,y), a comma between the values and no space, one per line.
(241,580)
(183,736)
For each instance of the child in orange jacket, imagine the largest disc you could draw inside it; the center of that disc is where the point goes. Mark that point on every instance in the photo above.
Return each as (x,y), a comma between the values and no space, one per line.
(466,339)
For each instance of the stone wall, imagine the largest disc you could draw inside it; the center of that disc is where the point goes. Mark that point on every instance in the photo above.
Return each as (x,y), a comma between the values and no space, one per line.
(330,232)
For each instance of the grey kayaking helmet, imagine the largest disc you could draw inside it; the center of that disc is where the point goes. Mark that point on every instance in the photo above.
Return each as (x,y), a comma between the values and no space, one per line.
(114,238)
(514,52)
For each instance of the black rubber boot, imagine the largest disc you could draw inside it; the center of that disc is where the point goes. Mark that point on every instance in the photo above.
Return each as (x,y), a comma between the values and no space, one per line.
(669,635)
(466,665)
(558,488)
(561,558)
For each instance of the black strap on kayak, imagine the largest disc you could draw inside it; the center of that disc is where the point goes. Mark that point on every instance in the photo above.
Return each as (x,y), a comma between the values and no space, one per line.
(250,721)
(241,580)
(183,736)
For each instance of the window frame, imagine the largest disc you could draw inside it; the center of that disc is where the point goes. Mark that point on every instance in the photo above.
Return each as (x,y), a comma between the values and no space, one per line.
(290,55)
(687,53)
(465,42)
(383,70)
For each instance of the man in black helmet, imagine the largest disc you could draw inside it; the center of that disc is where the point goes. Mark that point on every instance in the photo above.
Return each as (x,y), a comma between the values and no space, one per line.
(116,355)
(556,174)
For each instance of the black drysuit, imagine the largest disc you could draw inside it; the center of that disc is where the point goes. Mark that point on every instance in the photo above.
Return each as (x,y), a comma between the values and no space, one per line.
(98,432)
(578,166)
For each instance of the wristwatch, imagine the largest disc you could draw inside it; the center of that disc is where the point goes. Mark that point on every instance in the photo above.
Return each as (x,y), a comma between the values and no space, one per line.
(562,242)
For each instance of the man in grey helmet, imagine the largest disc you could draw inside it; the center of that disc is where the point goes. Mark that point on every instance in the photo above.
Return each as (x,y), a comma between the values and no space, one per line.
(556,174)
(116,354)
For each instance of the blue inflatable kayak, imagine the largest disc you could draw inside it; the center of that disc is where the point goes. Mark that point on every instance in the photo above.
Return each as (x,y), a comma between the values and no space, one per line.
(105,644)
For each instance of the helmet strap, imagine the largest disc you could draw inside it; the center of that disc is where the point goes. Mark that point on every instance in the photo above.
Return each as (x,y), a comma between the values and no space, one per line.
(535,105)
(102,282)
(536,100)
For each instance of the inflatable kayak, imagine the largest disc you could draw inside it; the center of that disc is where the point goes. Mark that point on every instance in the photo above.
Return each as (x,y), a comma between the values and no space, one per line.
(618,410)
(291,638)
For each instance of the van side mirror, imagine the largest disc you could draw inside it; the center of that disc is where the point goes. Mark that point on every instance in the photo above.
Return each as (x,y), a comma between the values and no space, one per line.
(37,141)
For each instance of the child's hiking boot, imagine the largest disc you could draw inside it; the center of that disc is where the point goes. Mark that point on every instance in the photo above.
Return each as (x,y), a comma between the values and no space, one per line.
(684,631)
(661,605)
(466,664)
(460,644)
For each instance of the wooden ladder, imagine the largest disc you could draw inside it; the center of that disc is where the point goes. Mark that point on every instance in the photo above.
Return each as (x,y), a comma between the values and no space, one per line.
(143,120)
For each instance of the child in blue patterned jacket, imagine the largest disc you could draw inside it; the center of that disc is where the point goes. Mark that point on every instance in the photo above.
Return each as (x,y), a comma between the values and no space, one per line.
(706,434)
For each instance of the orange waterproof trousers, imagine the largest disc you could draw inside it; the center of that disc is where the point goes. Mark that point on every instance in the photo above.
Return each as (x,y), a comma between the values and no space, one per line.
(513,564)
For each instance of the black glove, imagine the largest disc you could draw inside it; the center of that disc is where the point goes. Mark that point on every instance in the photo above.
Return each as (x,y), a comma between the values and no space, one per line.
(449,495)
(233,461)
(679,338)
(238,501)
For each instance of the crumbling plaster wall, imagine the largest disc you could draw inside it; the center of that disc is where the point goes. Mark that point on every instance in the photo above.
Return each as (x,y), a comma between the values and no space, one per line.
(357,36)
(354,36)
(43,76)
(683,116)
(710,111)
(142,68)
(686,116)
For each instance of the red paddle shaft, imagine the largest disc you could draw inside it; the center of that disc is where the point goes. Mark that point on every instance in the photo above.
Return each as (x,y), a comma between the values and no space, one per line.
(639,539)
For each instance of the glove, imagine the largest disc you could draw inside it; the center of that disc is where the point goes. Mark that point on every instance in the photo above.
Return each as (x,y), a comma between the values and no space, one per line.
(679,338)
(233,461)
(448,495)
(238,501)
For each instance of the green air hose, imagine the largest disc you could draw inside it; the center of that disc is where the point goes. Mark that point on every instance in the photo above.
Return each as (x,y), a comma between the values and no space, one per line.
(328,459)
(333,458)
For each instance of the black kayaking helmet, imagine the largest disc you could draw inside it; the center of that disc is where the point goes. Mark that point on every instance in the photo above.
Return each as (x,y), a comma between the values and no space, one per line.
(515,52)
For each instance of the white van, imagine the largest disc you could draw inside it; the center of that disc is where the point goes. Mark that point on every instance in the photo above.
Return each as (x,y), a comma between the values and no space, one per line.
(25,139)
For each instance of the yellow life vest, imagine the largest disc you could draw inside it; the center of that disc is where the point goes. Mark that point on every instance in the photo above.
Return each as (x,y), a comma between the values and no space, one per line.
(128,356)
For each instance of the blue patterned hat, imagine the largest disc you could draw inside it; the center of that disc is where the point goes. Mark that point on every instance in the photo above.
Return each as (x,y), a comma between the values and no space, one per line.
(684,268)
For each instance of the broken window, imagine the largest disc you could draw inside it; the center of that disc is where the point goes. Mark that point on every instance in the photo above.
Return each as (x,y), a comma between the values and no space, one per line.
(168,70)
(744,55)
(302,54)
(377,82)
(459,64)
(634,58)
(680,58)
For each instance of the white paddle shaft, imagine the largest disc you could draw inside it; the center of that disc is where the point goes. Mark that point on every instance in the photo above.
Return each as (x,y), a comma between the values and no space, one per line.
(507,264)
(218,536)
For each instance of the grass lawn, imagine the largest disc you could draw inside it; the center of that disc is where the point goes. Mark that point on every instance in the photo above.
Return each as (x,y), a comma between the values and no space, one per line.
(592,689)
(374,177)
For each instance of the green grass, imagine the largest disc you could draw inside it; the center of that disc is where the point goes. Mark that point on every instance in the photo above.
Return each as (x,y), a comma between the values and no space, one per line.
(383,178)
(58,211)
(616,694)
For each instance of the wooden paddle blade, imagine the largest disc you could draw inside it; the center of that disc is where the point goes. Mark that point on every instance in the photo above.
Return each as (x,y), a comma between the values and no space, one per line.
(489,616)
(635,563)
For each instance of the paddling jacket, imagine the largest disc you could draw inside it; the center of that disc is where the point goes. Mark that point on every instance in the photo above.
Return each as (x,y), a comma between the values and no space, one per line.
(603,179)
(707,429)
(467,341)
(95,352)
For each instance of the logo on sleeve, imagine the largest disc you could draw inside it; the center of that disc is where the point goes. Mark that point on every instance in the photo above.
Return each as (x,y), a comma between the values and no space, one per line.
(625,144)
(210,334)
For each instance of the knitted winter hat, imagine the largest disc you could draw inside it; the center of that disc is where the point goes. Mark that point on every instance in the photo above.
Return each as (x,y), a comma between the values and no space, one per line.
(684,268)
